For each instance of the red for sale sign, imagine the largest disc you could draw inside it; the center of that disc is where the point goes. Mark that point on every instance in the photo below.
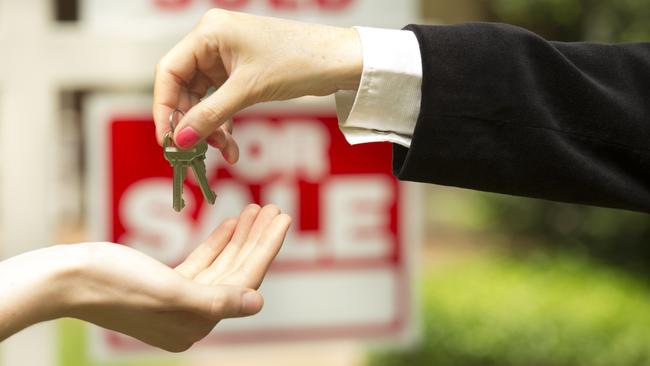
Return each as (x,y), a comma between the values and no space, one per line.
(343,271)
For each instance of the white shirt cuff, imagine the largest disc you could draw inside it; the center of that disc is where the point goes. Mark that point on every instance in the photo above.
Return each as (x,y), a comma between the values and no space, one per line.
(387,104)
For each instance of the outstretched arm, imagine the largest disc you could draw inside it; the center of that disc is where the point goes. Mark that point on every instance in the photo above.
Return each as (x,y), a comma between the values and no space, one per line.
(493,107)
(122,289)
(507,111)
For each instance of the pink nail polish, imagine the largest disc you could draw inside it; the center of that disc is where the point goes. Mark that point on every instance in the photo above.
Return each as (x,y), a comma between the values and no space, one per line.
(187,138)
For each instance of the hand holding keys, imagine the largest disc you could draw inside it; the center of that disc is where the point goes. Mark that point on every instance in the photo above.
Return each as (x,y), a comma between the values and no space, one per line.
(180,160)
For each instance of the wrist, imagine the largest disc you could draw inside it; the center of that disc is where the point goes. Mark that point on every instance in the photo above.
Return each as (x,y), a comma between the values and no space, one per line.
(67,278)
(34,287)
(346,60)
(60,282)
(62,278)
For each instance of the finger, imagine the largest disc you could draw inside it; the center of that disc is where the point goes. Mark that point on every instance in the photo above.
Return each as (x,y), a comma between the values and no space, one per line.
(200,85)
(262,222)
(223,140)
(219,302)
(218,138)
(231,151)
(194,100)
(251,272)
(198,88)
(244,224)
(175,70)
(203,256)
(223,263)
(166,94)
(204,118)
(184,101)
(228,126)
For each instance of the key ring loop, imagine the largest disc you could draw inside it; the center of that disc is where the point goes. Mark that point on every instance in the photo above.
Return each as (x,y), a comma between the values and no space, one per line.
(171,118)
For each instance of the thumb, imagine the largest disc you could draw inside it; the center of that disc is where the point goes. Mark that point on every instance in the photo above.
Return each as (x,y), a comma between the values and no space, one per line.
(219,302)
(208,115)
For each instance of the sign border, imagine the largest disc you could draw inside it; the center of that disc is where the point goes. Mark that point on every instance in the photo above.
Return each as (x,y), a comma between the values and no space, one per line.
(97,107)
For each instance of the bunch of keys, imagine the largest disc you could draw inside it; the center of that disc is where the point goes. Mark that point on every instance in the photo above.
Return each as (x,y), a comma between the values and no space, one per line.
(180,160)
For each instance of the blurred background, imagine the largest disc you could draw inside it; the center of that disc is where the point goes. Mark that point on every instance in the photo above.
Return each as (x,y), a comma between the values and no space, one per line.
(496,280)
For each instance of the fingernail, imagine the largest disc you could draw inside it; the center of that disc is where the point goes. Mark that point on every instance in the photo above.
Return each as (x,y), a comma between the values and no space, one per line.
(187,138)
(251,302)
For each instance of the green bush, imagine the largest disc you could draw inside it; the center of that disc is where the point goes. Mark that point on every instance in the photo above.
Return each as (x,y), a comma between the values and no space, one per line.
(614,236)
(546,311)
(578,20)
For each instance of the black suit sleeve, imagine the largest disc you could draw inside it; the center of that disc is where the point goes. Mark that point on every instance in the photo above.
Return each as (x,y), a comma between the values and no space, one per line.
(506,111)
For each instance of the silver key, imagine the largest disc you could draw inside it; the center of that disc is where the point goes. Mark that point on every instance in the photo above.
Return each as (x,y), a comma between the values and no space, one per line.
(180,160)
(198,167)
(180,170)
(171,153)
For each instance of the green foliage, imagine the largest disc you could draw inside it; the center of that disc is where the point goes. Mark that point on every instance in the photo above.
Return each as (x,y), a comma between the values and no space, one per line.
(540,311)
(575,20)
(615,236)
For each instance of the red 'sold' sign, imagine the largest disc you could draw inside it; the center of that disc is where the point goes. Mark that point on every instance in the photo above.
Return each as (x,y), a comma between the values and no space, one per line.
(167,19)
(342,271)
(240,5)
